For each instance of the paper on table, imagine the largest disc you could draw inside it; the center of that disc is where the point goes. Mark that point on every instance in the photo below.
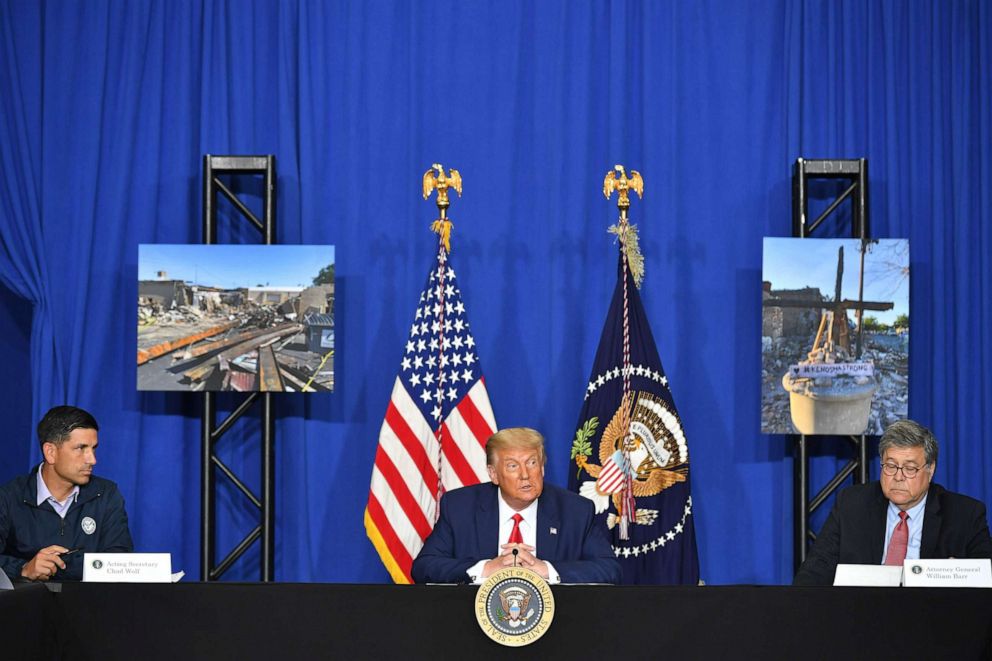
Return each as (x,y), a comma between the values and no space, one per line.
(880,576)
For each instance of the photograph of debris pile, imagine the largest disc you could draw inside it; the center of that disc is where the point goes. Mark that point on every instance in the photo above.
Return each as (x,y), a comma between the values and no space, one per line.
(834,335)
(236,317)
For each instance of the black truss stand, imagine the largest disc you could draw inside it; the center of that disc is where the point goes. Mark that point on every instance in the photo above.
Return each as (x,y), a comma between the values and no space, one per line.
(213,168)
(855,173)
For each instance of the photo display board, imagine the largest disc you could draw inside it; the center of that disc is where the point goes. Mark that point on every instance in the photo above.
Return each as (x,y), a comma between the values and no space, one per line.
(834,335)
(235,317)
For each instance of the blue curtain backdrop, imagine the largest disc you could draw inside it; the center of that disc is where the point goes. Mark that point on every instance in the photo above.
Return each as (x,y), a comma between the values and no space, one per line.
(108,107)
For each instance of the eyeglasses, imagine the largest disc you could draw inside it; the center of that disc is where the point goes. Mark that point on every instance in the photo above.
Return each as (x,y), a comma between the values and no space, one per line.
(909,472)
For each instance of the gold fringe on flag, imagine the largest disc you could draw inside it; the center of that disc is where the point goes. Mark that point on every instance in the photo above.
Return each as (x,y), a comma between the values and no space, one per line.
(626,233)
(442,227)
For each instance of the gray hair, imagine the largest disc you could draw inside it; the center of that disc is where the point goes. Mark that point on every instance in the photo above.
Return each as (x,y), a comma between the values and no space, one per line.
(909,434)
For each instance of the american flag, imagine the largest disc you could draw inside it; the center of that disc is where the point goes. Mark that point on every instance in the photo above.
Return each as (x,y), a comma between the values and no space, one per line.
(437,423)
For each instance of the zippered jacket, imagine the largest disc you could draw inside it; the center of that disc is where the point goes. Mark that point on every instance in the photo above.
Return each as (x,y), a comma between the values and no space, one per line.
(96,522)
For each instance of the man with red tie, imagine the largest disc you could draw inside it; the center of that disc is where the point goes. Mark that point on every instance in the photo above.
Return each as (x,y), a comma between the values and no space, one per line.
(903,516)
(516,519)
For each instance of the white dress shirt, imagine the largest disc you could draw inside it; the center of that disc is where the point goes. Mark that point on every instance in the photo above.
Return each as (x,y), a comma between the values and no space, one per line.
(914,520)
(528,526)
(528,529)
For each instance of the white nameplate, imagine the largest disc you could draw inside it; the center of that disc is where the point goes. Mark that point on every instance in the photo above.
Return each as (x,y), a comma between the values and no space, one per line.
(127,568)
(875,576)
(953,573)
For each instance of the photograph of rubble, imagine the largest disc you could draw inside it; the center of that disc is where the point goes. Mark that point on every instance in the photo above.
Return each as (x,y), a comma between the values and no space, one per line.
(236,317)
(834,335)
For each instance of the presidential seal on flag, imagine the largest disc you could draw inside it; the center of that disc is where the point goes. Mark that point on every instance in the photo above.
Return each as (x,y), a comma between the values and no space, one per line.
(659,457)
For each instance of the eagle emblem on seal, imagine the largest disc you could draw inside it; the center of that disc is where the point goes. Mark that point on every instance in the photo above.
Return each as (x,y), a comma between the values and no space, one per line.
(514,601)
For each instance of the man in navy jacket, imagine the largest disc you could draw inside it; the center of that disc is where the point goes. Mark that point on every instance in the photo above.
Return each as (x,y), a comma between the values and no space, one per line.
(51,516)
(516,519)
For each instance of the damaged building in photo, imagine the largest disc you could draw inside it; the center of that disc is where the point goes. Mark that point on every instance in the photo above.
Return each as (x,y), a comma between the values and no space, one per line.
(268,338)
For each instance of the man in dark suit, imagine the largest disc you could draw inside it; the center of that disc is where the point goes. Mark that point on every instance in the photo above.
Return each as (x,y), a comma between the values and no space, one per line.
(516,519)
(903,516)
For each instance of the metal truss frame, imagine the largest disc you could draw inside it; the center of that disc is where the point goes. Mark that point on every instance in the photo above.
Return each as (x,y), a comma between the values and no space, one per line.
(213,168)
(855,173)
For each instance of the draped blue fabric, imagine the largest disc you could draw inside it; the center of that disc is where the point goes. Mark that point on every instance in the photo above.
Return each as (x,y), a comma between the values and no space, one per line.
(106,109)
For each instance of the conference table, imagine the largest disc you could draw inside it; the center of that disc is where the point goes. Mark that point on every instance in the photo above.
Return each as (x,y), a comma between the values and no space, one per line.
(296,621)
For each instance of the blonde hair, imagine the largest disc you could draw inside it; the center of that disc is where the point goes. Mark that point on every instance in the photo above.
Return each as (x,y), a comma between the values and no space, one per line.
(517,438)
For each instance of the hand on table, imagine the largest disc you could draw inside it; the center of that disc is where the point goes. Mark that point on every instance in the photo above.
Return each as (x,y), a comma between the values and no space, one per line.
(525,558)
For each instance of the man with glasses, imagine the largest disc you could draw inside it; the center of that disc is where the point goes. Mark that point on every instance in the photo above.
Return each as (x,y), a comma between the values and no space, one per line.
(902,516)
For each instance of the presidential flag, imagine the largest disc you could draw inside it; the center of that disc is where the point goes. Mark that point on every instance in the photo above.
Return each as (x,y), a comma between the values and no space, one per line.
(630,455)
(434,434)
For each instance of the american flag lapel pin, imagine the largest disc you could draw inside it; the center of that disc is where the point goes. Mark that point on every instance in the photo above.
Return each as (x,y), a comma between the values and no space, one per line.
(554,531)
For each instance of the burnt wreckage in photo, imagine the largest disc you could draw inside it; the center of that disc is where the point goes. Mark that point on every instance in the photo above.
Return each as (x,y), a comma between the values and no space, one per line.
(269,339)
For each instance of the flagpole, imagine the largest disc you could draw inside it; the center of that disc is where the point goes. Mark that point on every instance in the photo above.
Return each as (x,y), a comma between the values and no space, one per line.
(442,227)
(629,255)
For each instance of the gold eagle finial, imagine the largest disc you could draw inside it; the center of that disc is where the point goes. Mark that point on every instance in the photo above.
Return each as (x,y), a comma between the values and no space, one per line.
(626,232)
(623,185)
(441,183)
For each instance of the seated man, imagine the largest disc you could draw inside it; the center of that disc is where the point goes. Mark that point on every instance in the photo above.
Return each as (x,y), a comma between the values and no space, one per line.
(61,509)
(903,516)
(553,531)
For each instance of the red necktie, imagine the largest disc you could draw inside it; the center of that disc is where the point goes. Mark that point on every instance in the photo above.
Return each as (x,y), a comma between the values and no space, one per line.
(898,542)
(515,536)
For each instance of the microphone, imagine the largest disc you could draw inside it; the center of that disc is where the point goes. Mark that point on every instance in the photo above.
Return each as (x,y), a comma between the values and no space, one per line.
(515,553)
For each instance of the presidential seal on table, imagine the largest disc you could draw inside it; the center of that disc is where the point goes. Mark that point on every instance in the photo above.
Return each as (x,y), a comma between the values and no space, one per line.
(514,606)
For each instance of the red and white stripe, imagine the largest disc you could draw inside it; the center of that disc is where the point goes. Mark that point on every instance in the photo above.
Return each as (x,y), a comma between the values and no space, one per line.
(403,495)
(611,478)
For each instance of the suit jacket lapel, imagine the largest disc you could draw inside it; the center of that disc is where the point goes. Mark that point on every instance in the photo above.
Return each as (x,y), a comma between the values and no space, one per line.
(878,513)
(487,523)
(931,522)
(548,519)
